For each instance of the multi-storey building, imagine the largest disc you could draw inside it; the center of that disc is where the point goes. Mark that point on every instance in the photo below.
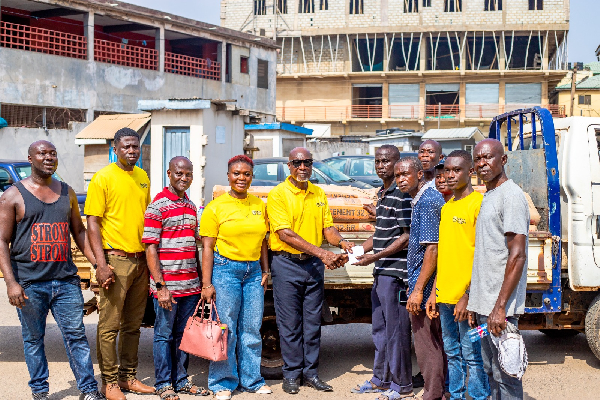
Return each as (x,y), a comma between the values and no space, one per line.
(362,65)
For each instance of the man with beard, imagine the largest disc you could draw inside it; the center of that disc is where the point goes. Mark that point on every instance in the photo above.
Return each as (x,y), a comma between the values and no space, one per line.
(392,367)
(38,215)
(117,198)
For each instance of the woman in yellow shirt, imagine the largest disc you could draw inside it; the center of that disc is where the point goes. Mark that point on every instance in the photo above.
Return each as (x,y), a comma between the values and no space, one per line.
(234,274)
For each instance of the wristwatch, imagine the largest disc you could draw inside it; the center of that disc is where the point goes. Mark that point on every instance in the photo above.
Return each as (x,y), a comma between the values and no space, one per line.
(340,243)
(160,285)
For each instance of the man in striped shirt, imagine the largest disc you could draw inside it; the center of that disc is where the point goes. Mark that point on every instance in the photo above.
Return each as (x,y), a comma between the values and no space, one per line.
(170,234)
(392,370)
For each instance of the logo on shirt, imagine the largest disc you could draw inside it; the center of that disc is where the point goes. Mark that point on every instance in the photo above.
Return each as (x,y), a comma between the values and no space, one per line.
(321,204)
(143,185)
(256,212)
(50,242)
(459,220)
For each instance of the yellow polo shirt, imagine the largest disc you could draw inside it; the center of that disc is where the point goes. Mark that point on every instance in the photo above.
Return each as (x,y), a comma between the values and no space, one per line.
(120,198)
(239,225)
(456,247)
(306,212)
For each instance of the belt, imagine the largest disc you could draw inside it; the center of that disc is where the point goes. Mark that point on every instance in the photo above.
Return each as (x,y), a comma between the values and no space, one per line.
(117,252)
(291,256)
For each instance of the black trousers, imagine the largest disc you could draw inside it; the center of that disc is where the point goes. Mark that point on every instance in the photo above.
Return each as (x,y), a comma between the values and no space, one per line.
(298,293)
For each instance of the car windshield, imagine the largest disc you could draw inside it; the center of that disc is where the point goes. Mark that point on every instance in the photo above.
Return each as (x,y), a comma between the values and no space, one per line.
(333,174)
(25,170)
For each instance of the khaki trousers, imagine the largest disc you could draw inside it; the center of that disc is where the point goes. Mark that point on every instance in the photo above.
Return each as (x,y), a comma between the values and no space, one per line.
(121,309)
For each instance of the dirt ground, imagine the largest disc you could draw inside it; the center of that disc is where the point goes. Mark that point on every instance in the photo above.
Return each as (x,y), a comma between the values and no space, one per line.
(558,368)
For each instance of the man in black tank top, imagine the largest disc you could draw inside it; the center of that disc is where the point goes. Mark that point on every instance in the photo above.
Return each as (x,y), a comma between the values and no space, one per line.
(37,217)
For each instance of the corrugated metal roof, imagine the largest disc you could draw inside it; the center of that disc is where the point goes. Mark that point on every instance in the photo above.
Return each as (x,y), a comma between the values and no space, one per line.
(453,134)
(105,126)
(593,66)
(592,82)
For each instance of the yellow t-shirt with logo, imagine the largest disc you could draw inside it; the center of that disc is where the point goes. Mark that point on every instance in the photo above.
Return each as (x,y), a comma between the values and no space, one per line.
(239,225)
(456,247)
(120,198)
(306,212)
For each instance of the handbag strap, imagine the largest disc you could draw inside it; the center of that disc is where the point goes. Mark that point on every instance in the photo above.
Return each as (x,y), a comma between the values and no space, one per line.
(214,307)
(200,304)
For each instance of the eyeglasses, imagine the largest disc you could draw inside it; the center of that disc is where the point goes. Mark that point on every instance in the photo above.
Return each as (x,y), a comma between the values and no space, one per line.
(307,163)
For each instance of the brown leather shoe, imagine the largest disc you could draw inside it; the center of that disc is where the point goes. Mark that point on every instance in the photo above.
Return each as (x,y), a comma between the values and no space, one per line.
(135,386)
(112,391)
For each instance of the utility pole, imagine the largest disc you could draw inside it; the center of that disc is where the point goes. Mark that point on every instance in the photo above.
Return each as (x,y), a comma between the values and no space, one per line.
(573,86)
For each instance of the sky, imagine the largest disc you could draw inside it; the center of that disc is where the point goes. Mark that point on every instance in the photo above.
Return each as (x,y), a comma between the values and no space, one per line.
(584,35)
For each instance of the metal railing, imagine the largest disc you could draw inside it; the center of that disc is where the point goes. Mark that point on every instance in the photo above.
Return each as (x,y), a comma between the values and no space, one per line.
(192,66)
(23,37)
(125,54)
(442,111)
(373,111)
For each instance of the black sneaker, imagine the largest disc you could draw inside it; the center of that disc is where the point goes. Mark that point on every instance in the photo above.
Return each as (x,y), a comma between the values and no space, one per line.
(40,396)
(96,395)
(418,381)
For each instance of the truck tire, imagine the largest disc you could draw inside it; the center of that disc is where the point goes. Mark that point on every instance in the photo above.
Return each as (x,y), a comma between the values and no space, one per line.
(271,361)
(592,326)
(560,333)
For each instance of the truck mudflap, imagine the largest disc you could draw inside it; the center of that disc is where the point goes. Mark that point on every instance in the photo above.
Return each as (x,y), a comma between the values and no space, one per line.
(537,152)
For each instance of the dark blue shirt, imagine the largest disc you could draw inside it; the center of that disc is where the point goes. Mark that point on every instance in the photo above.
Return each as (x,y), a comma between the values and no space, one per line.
(424,229)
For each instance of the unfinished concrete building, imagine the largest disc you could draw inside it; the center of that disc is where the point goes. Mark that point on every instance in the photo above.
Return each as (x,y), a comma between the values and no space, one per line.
(362,65)
(64,62)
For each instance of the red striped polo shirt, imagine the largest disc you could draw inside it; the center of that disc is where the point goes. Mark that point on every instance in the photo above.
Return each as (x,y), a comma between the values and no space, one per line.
(172,223)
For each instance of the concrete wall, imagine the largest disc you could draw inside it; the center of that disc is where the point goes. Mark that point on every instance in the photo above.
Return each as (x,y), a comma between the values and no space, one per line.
(593,110)
(322,149)
(57,81)
(277,136)
(16,141)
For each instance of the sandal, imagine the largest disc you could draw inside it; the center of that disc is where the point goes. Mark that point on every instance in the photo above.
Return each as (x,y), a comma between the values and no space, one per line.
(223,395)
(264,389)
(391,394)
(367,387)
(167,393)
(191,389)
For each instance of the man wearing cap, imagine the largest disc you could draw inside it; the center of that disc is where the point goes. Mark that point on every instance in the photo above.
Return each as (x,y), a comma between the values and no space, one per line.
(499,278)
(116,201)
(299,217)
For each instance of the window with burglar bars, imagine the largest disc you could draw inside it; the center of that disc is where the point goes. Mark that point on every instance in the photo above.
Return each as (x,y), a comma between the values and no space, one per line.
(262,74)
(492,5)
(585,100)
(306,6)
(282,6)
(357,7)
(426,3)
(41,117)
(324,5)
(452,5)
(260,7)
(411,6)
(536,5)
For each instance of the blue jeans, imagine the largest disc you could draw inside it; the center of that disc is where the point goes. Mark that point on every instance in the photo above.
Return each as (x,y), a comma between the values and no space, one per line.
(240,302)
(463,355)
(65,300)
(170,363)
(502,386)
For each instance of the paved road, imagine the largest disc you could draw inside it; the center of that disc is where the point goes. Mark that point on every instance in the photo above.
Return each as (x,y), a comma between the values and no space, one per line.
(558,368)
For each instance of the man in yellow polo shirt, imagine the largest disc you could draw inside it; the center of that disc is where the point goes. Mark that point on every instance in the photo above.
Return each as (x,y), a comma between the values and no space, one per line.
(116,201)
(299,217)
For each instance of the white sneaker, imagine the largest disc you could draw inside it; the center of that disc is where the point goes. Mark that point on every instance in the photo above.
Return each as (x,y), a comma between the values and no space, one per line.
(264,389)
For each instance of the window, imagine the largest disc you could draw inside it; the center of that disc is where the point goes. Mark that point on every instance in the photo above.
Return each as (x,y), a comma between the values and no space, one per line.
(426,3)
(282,6)
(338,164)
(585,100)
(262,74)
(536,4)
(324,5)
(243,64)
(357,7)
(362,167)
(260,7)
(306,6)
(5,180)
(266,172)
(492,5)
(411,6)
(452,5)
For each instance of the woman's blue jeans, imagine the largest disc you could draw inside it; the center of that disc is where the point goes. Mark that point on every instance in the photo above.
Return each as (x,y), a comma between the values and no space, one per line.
(240,302)
(170,363)
(463,355)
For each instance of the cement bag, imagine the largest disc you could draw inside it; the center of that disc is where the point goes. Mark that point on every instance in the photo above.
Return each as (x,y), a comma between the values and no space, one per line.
(262,192)
(354,227)
(333,192)
(341,211)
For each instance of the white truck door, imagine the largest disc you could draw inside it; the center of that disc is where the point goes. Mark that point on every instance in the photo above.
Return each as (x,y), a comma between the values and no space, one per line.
(593,134)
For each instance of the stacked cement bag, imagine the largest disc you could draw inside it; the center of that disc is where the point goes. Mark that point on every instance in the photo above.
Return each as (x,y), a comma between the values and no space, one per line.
(345,203)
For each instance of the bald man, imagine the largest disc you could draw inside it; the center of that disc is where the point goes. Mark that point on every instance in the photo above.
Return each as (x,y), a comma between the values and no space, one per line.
(499,277)
(38,216)
(430,154)
(299,217)
(170,234)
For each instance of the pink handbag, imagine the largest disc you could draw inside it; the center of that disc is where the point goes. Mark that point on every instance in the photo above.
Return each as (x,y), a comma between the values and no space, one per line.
(204,337)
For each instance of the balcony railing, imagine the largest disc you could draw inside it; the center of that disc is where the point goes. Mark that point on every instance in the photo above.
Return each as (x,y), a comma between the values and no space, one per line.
(23,37)
(413,112)
(192,66)
(125,54)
